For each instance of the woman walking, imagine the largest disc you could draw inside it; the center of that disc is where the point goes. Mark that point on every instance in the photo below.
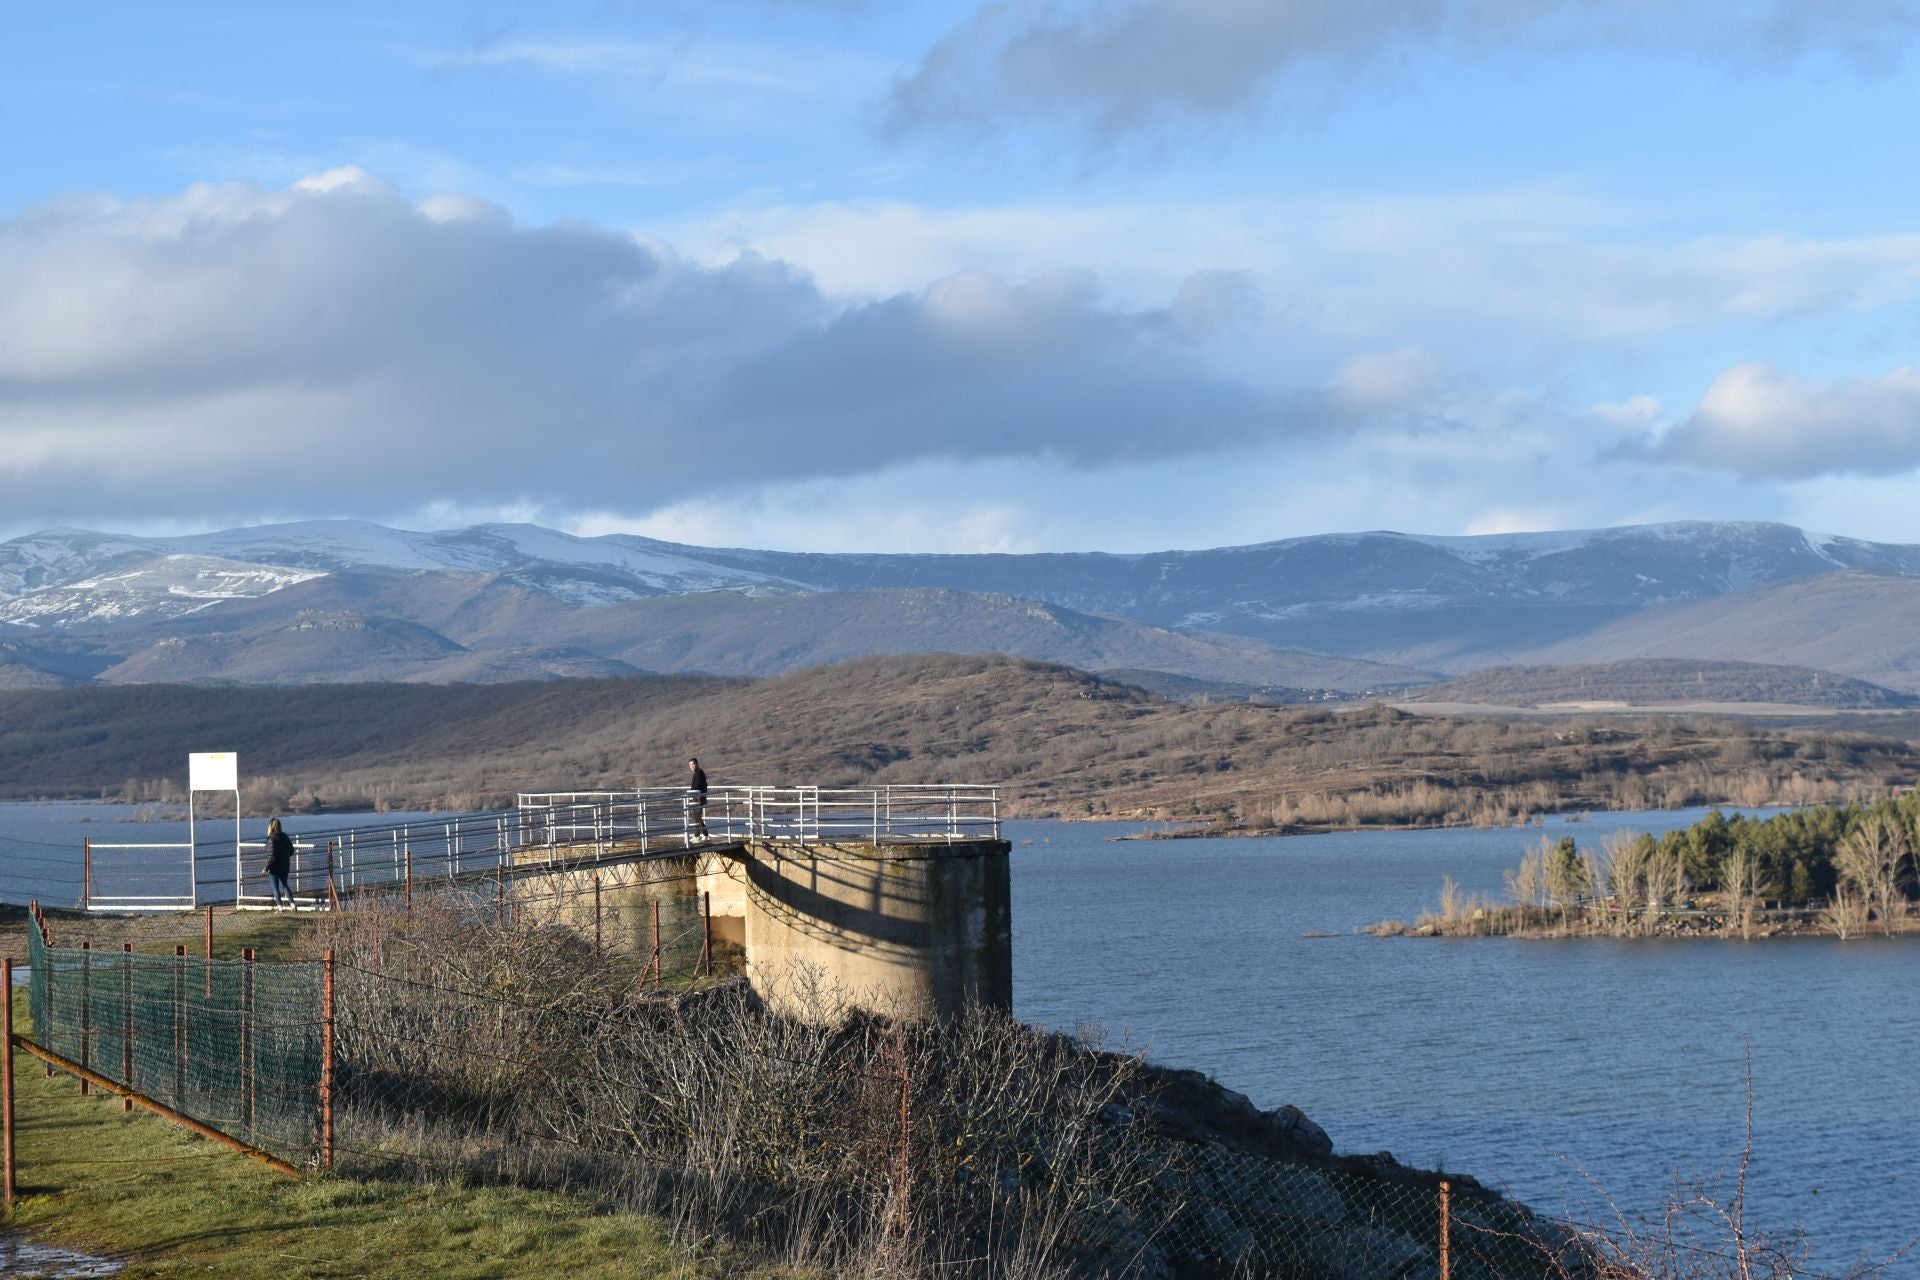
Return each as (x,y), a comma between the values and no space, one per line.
(279,861)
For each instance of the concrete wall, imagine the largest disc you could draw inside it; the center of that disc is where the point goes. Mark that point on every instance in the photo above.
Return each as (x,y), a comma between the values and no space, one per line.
(906,930)
(901,929)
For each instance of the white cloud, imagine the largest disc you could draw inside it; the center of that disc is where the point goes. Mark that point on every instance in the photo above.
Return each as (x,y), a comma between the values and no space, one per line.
(1759,420)
(1119,67)
(1635,411)
(1503,271)
(1373,382)
(231,342)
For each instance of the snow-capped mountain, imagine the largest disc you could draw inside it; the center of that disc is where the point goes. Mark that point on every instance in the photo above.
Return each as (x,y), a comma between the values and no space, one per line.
(579,571)
(72,578)
(1423,603)
(148,588)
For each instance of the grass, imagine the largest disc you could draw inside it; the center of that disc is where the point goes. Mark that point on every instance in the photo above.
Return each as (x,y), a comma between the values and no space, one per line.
(133,1187)
(270,934)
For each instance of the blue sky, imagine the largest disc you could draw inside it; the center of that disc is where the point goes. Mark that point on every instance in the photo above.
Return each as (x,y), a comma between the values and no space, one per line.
(1116,274)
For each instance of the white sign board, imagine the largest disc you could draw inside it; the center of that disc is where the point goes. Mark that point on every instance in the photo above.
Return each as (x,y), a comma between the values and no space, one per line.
(213,771)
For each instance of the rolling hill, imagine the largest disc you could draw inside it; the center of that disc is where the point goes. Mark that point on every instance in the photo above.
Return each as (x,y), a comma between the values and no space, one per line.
(1860,623)
(1062,741)
(1652,682)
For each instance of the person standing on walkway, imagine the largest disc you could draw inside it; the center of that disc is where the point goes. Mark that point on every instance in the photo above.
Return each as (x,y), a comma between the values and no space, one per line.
(697,802)
(279,861)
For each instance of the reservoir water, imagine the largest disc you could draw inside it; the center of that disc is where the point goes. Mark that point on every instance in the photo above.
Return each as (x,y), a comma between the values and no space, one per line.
(1533,1066)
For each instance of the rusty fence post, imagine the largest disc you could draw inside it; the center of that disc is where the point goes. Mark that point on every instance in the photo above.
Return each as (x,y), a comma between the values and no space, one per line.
(326,1060)
(46,938)
(596,913)
(86,1012)
(654,964)
(180,1028)
(246,1040)
(6,1071)
(500,896)
(409,878)
(706,933)
(126,1021)
(1446,1230)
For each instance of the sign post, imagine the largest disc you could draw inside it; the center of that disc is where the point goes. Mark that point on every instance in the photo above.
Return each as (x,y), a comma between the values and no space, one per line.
(212,771)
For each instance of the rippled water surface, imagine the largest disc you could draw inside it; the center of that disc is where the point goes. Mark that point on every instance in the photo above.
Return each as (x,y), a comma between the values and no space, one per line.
(1522,1063)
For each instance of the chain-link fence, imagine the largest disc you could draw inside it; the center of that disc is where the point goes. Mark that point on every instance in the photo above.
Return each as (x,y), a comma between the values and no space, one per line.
(236,1045)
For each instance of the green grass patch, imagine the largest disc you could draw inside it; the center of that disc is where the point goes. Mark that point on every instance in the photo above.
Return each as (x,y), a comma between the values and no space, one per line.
(133,1187)
(271,934)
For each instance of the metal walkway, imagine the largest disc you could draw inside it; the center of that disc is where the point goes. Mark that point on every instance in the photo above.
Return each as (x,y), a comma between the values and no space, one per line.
(553,831)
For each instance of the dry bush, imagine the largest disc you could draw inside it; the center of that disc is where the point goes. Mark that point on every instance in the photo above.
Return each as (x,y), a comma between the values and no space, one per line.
(477,1046)
(1846,912)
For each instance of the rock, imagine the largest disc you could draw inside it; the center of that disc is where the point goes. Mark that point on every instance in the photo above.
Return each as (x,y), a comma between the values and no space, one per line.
(1189,1106)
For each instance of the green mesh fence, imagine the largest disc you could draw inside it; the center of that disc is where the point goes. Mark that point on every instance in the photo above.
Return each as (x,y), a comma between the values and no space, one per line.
(233,1044)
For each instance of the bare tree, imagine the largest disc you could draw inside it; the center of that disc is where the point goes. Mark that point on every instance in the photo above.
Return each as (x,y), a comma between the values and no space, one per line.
(1870,856)
(1740,876)
(1846,912)
(1622,869)
(1527,883)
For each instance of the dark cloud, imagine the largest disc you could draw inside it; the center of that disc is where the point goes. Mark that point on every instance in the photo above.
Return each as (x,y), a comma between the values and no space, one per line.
(1124,66)
(335,347)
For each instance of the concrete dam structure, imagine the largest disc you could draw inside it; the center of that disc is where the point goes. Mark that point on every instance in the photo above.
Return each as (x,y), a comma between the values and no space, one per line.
(894,898)
(904,929)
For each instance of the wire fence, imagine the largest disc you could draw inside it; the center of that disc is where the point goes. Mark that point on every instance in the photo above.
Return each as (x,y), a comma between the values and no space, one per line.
(529,1039)
(235,1045)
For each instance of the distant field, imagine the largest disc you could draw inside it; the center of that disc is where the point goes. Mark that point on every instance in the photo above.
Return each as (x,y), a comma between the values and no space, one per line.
(1890,721)
(1063,742)
(1671,684)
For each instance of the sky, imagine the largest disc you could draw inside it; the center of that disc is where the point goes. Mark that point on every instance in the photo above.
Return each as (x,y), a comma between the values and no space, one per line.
(1008,276)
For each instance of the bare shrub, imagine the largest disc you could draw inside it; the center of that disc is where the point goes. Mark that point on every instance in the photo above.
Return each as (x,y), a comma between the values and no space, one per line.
(1845,913)
(476,1045)
(1740,877)
(1870,858)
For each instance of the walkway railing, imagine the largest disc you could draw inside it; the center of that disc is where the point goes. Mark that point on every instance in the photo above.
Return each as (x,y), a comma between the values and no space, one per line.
(570,827)
(943,812)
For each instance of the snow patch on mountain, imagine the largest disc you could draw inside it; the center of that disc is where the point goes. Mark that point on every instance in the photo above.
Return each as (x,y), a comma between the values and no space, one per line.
(167,586)
(579,571)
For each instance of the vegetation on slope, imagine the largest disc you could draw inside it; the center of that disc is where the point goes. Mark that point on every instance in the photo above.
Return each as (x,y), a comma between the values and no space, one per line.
(1656,681)
(1063,742)
(133,1188)
(1838,868)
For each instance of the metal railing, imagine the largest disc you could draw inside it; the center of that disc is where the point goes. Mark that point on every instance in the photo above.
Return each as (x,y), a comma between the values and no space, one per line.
(98,861)
(936,813)
(568,827)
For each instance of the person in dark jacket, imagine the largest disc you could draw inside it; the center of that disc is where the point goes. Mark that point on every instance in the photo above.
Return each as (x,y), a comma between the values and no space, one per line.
(697,802)
(279,861)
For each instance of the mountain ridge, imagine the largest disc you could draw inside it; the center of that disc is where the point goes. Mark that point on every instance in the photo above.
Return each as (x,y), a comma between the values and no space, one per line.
(1424,606)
